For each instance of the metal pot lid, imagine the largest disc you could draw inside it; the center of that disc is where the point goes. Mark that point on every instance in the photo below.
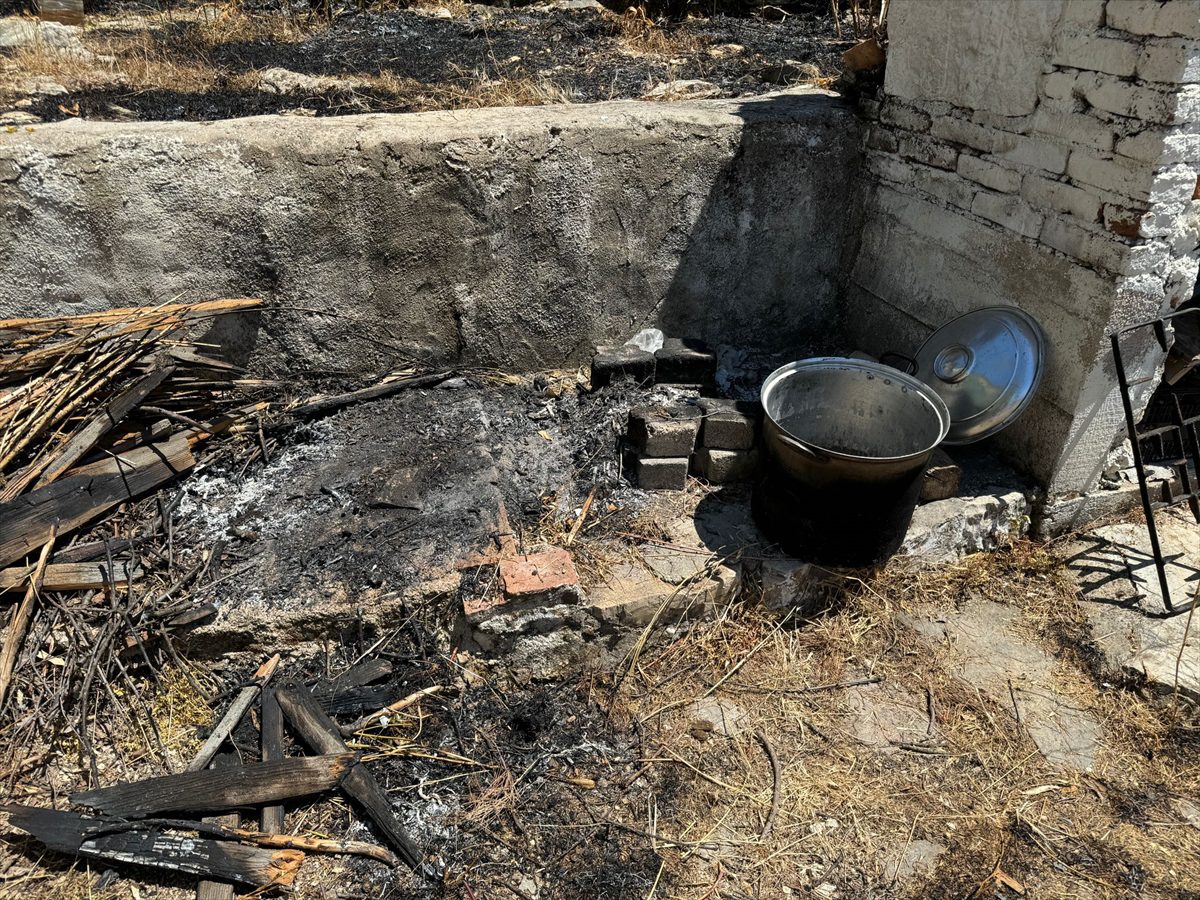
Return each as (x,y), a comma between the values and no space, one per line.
(986,366)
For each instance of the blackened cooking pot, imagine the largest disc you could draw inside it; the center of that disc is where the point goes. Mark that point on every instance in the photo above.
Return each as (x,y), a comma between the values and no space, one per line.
(847,443)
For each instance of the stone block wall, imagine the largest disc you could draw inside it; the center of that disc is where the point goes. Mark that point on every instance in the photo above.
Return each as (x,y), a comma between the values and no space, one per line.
(1040,153)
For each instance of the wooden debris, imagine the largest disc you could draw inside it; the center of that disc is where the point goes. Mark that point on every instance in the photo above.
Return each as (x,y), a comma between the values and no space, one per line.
(86,576)
(71,833)
(396,707)
(351,692)
(319,732)
(245,699)
(220,890)
(326,405)
(15,634)
(85,493)
(271,738)
(288,841)
(219,789)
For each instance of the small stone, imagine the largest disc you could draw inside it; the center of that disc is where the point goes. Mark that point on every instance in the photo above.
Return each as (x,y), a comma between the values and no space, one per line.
(942,478)
(660,431)
(711,715)
(685,361)
(729,424)
(615,364)
(17,117)
(42,87)
(662,474)
(788,72)
(790,584)
(726,466)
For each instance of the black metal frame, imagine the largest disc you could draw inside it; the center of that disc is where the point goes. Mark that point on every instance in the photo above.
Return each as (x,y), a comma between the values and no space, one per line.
(1184,430)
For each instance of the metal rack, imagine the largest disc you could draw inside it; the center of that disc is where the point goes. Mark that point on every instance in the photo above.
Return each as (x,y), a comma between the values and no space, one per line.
(1177,441)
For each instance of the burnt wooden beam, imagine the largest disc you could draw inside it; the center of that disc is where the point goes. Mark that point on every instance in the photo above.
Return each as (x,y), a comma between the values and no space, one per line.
(326,405)
(222,789)
(86,492)
(84,576)
(271,738)
(351,692)
(322,735)
(76,835)
(245,698)
(208,889)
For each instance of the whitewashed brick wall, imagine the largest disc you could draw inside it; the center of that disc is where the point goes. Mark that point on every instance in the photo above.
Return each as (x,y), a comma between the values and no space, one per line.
(1070,188)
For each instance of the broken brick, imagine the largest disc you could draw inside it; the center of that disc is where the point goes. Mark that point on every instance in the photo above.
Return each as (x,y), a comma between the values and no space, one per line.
(538,574)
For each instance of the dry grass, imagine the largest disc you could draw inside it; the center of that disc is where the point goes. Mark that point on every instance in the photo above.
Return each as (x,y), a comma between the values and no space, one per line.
(849,810)
(640,35)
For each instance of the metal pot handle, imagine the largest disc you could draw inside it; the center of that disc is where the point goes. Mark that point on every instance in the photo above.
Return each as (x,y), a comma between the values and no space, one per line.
(801,447)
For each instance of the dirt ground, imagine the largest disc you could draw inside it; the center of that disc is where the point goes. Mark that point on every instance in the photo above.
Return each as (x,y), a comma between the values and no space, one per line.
(834,753)
(194,60)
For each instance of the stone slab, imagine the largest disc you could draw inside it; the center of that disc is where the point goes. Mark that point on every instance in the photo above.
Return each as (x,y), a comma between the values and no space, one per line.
(993,655)
(947,530)
(1120,595)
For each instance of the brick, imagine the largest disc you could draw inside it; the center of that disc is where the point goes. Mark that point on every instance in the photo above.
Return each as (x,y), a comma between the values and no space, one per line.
(1088,13)
(942,478)
(882,139)
(1137,223)
(725,466)
(901,116)
(1059,85)
(666,474)
(924,150)
(1161,146)
(685,361)
(1170,61)
(1046,193)
(1176,184)
(1122,177)
(1008,211)
(659,431)
(1127,98)
(998,178)
(868,108)
(1059,120)
(729,424)
(945,186)
(1174,18)
(1084,50)
(620,363)
(537,575)
(889,168)
(1090,247)
(979,137)
(1037,154)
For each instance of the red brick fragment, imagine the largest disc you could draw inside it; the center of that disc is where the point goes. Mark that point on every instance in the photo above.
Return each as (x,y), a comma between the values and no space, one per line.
(537,573)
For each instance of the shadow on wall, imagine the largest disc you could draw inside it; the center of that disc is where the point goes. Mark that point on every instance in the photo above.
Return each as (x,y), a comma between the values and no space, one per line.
(762,268)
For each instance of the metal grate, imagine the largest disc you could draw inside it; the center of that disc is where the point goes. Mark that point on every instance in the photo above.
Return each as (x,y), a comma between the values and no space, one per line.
(1171,440)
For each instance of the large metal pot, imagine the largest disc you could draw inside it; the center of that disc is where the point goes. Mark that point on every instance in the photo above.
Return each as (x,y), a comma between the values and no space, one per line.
(847,443)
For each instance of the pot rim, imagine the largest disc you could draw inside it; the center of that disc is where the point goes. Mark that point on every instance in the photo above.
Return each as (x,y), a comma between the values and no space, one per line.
(936,404)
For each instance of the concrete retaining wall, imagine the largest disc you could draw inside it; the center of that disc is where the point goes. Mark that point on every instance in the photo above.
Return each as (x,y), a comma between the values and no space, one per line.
(1044,154)
(509,237)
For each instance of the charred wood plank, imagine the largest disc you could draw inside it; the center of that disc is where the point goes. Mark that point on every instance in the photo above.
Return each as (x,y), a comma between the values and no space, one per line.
(220,890)
(271,737)
(350,693)
(85,493)
(73,576)
(327,405)
(76,835)
(322,735)
(222,789)
(229,721)
(101,423)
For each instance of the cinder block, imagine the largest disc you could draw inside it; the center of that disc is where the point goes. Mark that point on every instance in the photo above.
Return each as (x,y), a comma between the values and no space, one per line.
(725,466)
(616,363)
(998,178)
(1011,212)
(729,424)
(662,431)
(1047,193)
(942,478)
(659,474)
(685,361)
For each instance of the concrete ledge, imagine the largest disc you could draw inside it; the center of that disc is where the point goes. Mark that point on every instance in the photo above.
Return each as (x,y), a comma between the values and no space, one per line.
(509,237)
